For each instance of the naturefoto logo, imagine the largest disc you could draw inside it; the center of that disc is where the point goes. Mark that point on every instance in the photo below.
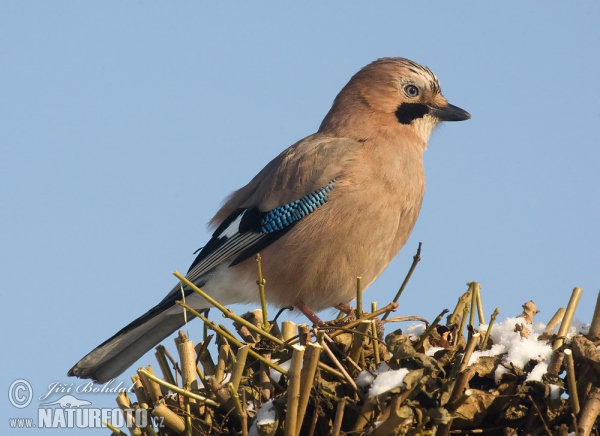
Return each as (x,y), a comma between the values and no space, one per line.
(68,402)
(73,411)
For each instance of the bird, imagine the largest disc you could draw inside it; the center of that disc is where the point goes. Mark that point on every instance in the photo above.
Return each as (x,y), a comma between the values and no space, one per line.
(334,206)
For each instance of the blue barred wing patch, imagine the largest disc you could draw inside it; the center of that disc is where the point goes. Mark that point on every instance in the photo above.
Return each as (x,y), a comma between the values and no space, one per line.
(247,231)
(284,216)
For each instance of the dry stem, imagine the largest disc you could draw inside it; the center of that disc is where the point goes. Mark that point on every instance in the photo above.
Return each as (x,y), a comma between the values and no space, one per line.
(595,326)
(489,329)
(429,329)
(171,419)
(152,388)
(558,316)
(572,383)
(589,413)
(261,290)
(339,415)
(389,308)
(566,322)
(359,304)
(307,376)
(143,372)
(416,259)
(239,366)
(293,392)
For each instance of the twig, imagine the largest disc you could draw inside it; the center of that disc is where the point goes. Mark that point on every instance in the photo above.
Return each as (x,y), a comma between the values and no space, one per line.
(469,351)
(365,414)
(473,286)
(595,326)
(152,388)
(556,362)
(232,339)
(540,415)
(303,334)
(462,380)
(341,368)
(189,379)
(228,312)
(293,392)
(222,362)
(307,376)
(416,259)
(176,389)
(164,365)
(589,413)
(264,378)
(489,329)
(462,301)
(333,345)
(375,342)
(429,329)
(479,304)
(239,365)
(462,324)
(140,392)
(205,358)
(399,417)
(339,415)
(125,405)
(389,308)
(461,400)
(571,381)
(358,339)
(171,419)
(240,410)
(288,330)
(566,322)
(558,316)
(359,303)
(114,429)
(261,289)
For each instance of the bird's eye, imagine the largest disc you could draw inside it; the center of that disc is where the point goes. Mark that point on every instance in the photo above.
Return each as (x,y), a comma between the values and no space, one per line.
(411,90)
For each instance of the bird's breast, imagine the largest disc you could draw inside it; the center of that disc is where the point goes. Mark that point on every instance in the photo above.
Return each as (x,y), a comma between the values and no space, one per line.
(367,219)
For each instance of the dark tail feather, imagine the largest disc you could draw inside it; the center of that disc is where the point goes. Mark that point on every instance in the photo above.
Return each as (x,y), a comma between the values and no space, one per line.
(118,353)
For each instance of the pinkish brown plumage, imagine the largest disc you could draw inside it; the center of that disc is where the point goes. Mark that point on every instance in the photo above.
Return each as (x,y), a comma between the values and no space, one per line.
(336,205)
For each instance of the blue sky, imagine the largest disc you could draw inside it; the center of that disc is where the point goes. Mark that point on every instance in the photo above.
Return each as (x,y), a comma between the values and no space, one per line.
(124,124)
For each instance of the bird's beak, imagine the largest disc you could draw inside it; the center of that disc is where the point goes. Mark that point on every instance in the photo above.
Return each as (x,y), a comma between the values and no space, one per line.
(449,113)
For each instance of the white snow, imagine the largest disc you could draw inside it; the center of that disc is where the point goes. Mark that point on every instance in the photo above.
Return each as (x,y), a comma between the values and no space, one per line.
(265,415)
(388,380)
(432,350)
(537,372)
(516,349)
(275,375)
(365,378)
(554,391)
(414,331)
(382,379)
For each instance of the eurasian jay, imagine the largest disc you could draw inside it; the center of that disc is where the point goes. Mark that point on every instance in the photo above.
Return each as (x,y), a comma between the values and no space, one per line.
(338,204)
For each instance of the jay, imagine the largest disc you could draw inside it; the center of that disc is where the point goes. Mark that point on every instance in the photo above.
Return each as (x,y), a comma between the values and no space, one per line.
(338,204)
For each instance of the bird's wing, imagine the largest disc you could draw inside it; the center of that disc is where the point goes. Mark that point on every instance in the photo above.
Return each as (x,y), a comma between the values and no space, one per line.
(290,187)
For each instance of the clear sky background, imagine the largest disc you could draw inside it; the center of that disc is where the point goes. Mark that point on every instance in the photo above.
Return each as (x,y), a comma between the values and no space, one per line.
(124,124)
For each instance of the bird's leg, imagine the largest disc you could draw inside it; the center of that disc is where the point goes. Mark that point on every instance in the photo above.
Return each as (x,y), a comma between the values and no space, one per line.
(307,311)
(349,310)
(346,308)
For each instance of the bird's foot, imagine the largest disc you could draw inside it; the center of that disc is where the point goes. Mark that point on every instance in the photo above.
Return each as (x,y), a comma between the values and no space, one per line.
(346,308)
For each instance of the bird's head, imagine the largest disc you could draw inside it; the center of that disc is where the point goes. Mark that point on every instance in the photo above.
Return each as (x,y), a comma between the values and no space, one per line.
(390,95)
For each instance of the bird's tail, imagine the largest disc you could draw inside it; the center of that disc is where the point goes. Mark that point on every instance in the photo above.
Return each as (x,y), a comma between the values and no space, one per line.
(118,353)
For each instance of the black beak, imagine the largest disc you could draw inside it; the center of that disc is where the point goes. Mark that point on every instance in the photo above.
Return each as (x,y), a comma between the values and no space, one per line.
(449,113)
